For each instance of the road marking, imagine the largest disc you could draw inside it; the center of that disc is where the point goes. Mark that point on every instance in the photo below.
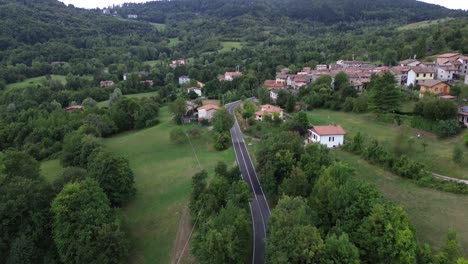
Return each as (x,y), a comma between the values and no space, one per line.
(253,226)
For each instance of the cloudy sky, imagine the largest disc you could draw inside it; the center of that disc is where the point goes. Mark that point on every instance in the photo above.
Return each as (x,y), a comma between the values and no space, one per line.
(455,4)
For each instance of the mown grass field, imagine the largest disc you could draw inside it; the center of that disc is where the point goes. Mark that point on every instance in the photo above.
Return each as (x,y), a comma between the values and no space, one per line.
(436,158)
(431,212)
(424,24)
(163,174)
(35,81)
(159,26)
(173,42)
(229,45)
(139,95)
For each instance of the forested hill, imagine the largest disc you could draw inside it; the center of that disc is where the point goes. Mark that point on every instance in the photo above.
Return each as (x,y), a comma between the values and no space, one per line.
(51,31)
(324,11)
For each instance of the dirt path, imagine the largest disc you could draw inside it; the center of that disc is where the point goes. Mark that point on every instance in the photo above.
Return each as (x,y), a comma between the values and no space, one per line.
(449,178)
(183,233)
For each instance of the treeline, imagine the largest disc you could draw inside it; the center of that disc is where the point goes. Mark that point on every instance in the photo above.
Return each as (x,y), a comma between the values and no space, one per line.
(70,220)
(34,119)
(324,215)
(220,208)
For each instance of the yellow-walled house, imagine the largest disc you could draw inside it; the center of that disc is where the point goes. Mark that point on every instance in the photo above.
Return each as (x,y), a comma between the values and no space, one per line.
(433,86)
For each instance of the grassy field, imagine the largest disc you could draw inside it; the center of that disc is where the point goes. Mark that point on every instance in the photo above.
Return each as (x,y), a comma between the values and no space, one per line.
(431,212)
(152,63)
(159,26)
(424,24)
(140,95)
(173,42)
(163,174)
(229,45)
(35,81)
(437,157)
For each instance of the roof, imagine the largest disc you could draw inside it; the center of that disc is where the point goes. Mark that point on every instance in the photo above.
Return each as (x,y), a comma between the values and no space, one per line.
(448,55)
(328,130)
(408,61)
(209,107)
(74,107)
(449,68)
(400,69)
(184,77)
(463,111)
(271,84)
(448,97)
(233,73)
(422,70)
(429,83)
(271,108)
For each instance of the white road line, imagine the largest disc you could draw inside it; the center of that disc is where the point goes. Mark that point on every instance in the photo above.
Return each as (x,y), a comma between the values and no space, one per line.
(253,225)
(253,167)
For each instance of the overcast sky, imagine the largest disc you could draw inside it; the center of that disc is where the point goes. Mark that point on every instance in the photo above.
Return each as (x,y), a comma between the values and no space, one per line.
(454,4)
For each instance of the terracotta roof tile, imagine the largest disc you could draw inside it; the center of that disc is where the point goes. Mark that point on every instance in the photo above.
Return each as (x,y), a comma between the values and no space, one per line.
(328,130)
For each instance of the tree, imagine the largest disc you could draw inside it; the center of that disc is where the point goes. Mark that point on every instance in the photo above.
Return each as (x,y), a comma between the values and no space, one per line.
(384,96)
(89,103)
(178,109)
(457,155)
(199,185)
(222,238)
(302,120)
(293,238)
(84,228)
(177,135)
(340,250)
(24,212)
(386,236)
(222,141)
(296,184)
(113,175)
(222,121)
(20,164)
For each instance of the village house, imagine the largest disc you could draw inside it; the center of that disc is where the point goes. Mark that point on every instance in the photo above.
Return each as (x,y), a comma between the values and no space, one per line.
(150,83)
(273,85)
(207,111)
(74,108)
(177,63)
(401,74)
(229,76)
(447,73)
(139,73)
(196,90)
(410,63)
(106,11)
(463,68)
(330,136)
(463,115)
(274,94)
(184,79)
(269,110)
(354,64)
(417,74)
(106,84)
(321,67)
(435,87)
(447,57)
(132,16)
(466,78)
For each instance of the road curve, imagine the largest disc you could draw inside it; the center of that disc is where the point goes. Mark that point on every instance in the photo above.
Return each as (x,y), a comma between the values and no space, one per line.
(259,207)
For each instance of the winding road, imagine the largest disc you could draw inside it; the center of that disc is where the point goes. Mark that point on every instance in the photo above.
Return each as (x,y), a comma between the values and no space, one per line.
(259,207)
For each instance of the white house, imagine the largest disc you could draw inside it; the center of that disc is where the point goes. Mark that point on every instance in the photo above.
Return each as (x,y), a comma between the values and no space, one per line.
(330,136)
(197,90)
(269,110)
(229,76)
(463,115)
(446,74)
(132,16)
(321,67)
(207,111)
(410,63)
(184,79)
(417,74)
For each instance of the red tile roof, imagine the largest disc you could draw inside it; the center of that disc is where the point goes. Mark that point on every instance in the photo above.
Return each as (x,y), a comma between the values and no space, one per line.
(74,108)
(429,83)
(328,130)
(448,55)
(271,84)
(271,108)
(209,107)
(233,74)
(422,70)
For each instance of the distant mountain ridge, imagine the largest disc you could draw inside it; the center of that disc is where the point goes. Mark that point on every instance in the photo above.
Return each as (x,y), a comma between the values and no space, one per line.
(325,11)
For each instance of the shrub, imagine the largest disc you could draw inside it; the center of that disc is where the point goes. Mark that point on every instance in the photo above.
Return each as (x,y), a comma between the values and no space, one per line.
(457,155)
(177,135)
(222,141)
(465,138)
(404,167)
(447,128)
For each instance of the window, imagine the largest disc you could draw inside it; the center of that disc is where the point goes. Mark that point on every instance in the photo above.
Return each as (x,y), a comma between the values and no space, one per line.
(424,75)
(331,139)
(417,75)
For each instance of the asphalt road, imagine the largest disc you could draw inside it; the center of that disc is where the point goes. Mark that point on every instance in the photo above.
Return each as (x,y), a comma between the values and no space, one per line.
(259,208)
